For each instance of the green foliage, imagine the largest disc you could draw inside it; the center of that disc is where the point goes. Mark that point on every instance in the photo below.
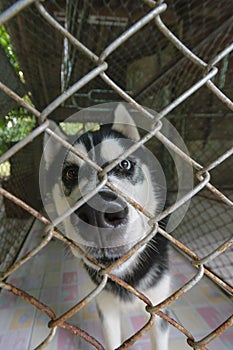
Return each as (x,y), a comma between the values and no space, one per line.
(78,128)
(5,169)
(5,41)
(17,123)
(14,127)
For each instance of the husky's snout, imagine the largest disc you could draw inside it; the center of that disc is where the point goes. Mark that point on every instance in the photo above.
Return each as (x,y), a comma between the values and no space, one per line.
(105,210)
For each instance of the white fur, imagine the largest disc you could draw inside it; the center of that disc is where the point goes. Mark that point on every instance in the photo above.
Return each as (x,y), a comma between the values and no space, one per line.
(73,158)
(124,124)
(110,150)
(112,310)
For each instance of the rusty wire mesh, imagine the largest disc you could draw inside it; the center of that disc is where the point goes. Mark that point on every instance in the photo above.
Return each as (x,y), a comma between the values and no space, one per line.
(203,74)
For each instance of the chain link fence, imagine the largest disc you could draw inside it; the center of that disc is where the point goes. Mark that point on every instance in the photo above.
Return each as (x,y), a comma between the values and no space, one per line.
(143,61)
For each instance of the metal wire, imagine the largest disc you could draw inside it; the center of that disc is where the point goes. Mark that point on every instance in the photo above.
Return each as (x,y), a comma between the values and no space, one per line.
(203,176)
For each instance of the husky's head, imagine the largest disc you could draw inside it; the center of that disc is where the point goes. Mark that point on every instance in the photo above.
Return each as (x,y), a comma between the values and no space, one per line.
(106,225)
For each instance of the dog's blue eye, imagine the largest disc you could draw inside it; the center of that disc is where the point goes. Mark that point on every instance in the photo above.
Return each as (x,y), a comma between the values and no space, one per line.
(125,164)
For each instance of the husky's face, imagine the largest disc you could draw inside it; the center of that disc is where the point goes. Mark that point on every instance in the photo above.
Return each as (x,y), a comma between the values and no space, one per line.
(106,226)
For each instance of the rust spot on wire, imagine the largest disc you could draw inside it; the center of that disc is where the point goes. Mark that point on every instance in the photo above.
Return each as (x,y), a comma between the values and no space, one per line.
(82,334)
(29,298)
(129,342)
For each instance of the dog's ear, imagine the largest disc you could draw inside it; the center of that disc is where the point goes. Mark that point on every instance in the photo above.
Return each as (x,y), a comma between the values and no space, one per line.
(52,146)
(124,123)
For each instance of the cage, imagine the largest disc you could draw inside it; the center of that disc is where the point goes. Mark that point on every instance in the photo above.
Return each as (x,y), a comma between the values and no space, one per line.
(62,57)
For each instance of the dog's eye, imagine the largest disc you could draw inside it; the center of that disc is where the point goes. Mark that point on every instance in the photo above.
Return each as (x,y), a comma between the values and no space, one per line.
(125,164)
(70,174)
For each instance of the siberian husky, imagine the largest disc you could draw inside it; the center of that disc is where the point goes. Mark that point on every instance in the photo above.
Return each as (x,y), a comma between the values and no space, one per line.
(107,226)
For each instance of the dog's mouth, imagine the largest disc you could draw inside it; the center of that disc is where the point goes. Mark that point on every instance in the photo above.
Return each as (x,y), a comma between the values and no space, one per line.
(107,256)
(105,210)
(105,227)
(101,225)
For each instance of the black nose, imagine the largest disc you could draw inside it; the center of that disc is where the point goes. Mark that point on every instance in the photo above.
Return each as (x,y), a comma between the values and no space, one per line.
(106,211)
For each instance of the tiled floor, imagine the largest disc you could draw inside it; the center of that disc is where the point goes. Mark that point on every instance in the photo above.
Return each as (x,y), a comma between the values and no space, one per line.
(56,278)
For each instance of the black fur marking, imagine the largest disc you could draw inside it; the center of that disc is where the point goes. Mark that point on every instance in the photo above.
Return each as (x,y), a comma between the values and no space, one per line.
(97,137)
(155,264)
(93,138)
(90,140)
